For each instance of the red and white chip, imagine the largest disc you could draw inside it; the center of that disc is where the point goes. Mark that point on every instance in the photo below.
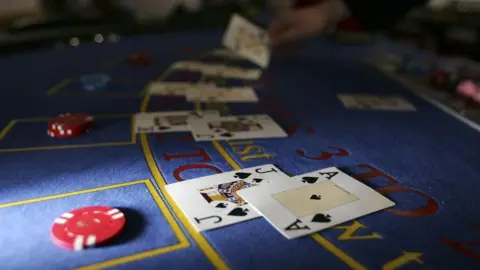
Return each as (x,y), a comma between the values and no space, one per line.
(69,125)
(87,226)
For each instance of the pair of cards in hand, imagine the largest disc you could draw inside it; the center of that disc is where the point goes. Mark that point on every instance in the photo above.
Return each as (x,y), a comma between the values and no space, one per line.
(295,206)
(209,125)
(203,92)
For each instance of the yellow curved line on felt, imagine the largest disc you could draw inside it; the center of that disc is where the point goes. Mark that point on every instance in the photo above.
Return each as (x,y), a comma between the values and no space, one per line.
(201,241)
(342,255)
(74,193)
(7,128)
(203,244)
(182,239)
(59,86)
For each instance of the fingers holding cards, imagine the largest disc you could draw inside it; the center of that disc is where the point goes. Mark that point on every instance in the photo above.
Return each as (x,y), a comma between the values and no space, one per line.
(247,40)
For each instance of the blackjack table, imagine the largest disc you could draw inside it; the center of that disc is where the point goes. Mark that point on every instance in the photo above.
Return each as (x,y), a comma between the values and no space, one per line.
(425,160)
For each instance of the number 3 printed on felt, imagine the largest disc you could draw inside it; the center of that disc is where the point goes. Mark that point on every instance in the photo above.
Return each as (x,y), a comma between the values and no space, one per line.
(326,155)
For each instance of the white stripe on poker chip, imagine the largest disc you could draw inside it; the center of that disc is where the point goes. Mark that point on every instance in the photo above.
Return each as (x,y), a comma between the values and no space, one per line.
(91,240)
(117,216)
(68,215)
(78,243)
(113,211)
(60,221)
(69,131)
(62,132)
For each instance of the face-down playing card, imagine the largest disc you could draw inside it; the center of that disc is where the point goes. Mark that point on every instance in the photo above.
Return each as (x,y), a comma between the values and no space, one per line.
(297,208)
(169,121)
(212,201)
(235,127)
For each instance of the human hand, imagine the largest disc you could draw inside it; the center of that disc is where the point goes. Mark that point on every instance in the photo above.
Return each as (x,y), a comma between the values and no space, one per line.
(305,22)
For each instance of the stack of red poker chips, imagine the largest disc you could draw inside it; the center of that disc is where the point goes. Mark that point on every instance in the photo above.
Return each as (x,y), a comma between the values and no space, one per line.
(86,227)
(69,125)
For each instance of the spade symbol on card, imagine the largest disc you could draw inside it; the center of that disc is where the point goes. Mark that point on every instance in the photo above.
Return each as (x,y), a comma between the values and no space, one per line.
(242,175)
(315,197)
(309,179)
(257,180)
(321,218)
(238,212)
(221,205)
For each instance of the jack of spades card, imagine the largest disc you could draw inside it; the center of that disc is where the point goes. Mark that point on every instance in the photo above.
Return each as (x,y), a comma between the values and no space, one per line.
(212,201)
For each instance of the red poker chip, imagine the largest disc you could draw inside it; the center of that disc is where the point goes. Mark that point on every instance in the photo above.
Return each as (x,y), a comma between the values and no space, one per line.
(87,226)
(69,125)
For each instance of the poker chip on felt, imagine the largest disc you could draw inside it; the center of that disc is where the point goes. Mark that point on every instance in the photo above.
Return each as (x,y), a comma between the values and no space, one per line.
(69,125)
(87,227)
(139,59)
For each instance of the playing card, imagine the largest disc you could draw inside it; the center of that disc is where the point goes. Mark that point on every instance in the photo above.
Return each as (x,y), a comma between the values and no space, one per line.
(170,121)
(297,208)
(231,72)
(233,94)
(235,127)
(188,65)
(247,40)
(375,102)
(211,202)
(175,88)
(226,54)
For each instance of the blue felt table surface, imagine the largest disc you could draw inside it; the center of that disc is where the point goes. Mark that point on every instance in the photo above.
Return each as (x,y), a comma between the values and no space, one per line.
(426,150)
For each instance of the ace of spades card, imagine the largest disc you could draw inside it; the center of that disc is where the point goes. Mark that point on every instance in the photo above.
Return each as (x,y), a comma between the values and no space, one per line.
(375,102)
(314,201)
(169,121)
(247,40)
(212,201)
(235,127)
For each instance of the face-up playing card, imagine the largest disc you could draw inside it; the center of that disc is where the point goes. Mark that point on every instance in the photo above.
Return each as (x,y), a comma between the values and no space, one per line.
(375,102)
(235,127)
(247,40)
(211,202)
(234,94)
(171,121)
(297,208)
(175,88)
